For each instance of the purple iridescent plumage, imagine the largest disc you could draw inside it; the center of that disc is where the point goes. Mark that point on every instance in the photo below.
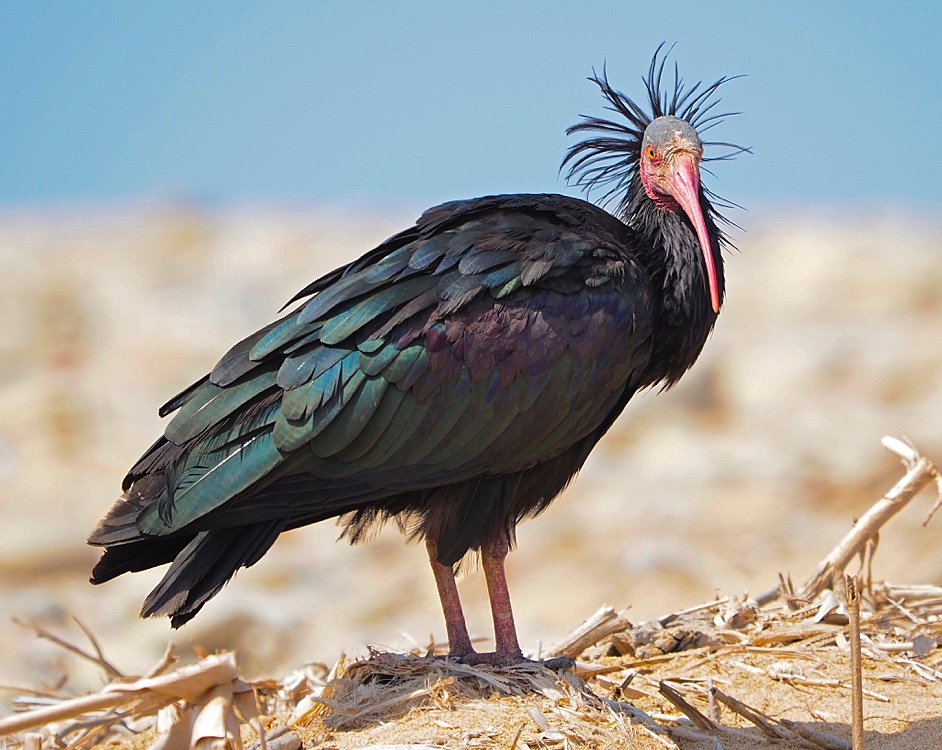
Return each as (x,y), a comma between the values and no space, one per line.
(455,378)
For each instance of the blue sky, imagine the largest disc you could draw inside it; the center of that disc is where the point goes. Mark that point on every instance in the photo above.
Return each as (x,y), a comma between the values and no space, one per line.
(420,102)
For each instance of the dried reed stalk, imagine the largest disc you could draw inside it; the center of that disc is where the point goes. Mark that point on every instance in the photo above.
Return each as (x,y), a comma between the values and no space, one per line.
(920,472)
(604,622)
(856,670)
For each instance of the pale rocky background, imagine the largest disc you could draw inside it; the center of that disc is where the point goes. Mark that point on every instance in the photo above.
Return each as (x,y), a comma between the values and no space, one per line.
(755,464)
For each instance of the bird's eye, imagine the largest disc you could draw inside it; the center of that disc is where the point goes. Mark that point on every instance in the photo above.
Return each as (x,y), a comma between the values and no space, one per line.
(652,154)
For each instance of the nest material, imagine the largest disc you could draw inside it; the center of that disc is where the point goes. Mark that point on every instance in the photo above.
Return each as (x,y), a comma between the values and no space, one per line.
(794,664)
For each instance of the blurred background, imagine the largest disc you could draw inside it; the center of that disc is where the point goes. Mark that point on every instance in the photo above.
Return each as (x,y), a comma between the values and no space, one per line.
(171,173)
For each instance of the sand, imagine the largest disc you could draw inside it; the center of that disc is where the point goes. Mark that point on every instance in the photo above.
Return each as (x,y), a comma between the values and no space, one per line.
(754,465)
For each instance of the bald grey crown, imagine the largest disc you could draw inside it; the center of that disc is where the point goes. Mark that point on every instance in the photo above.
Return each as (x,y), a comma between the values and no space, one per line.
(664,130)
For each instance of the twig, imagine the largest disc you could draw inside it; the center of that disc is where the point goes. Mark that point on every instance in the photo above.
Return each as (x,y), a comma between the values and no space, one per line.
(603,623)
(923,670)
(632,663)
(926,591)
(766,724)
(853,605)
(516,739)
(767,727)
(113,672)
(270,737)
(149,694)
(97,660)
(665,741)
(905,612)
(921,472)
(90,734)
(166,661)
(642,720)
(822,740)
(699,720)
(51,693)
(665,620)
(907,451)
(65,710)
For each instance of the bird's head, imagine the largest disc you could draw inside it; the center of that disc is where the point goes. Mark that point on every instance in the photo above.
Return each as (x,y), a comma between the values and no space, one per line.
(659,151)
(669,167)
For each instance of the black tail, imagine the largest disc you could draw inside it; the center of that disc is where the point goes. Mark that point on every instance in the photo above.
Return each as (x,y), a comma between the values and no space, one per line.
(202,563)
(137,556)
(203,566)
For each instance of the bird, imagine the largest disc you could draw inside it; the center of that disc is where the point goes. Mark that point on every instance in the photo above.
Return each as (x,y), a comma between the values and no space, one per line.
(454,379)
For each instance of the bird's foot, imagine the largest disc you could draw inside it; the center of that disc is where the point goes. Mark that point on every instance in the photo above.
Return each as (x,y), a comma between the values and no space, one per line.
(512,659)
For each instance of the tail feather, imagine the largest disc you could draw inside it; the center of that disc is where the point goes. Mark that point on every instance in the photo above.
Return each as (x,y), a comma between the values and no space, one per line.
(201,569)
(136,556)
(119,526)
(154,461)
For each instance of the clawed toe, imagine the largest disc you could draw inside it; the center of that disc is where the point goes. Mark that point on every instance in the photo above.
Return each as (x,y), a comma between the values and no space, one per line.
(496,659)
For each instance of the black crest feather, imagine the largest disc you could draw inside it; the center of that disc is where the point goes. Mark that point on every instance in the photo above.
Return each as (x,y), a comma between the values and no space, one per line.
(610,161)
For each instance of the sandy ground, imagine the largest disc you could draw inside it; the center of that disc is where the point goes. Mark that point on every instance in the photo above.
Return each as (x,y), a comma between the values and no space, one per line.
(754,465)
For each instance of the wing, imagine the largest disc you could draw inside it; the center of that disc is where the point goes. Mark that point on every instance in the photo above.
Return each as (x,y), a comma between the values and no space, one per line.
(484,340)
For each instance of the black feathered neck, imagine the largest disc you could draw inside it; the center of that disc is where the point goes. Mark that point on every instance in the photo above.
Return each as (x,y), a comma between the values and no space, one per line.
(672,258)
(609,161)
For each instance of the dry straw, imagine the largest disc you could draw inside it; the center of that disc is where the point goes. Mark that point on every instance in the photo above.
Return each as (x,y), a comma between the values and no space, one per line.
(662,684)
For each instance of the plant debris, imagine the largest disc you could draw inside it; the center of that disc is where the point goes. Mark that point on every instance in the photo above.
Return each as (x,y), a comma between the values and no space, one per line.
(687,679)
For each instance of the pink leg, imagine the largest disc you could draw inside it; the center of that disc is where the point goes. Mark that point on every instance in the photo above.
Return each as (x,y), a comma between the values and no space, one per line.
(459,642)
(507,648)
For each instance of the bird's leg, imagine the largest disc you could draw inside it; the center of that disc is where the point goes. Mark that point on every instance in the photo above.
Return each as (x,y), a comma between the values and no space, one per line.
(459,642)
(506,647)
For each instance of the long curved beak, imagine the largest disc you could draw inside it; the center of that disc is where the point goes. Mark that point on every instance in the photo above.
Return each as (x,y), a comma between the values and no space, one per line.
(685,185)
